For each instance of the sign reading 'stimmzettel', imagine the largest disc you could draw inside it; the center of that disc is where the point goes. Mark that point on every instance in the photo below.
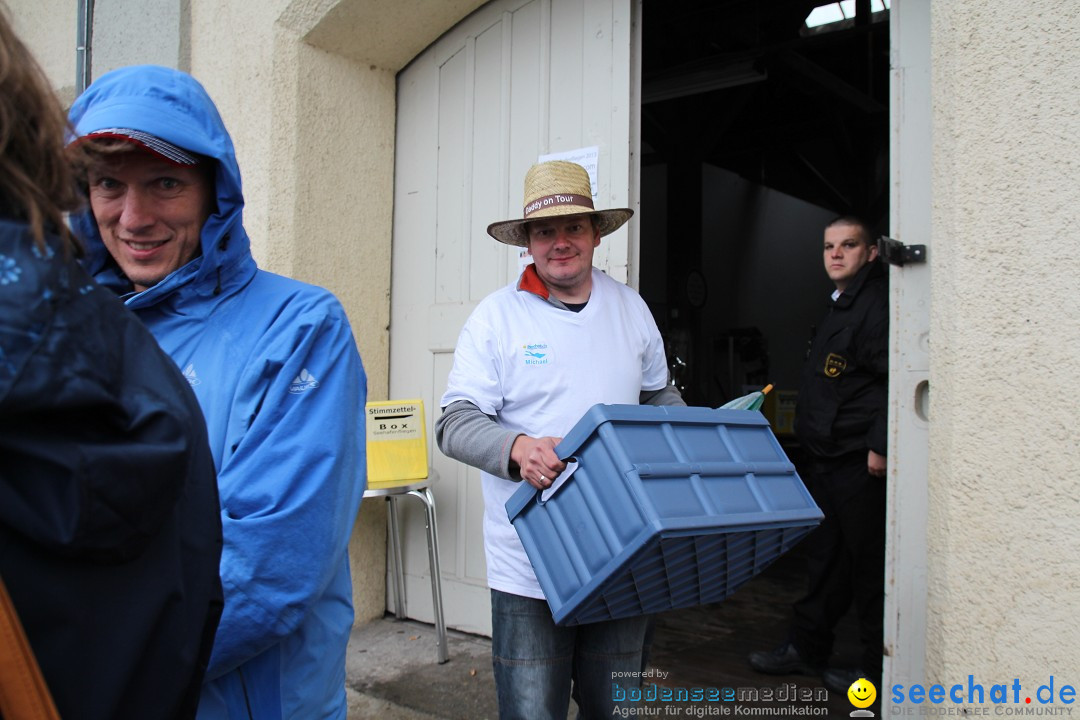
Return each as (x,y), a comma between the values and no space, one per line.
(396,441)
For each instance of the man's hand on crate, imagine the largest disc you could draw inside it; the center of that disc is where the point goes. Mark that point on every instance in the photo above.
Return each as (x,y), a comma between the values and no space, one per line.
(536,459)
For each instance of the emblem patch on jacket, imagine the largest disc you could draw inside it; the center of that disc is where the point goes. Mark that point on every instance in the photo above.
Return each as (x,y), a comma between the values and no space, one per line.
(536,354)
(189,374)
(303,382)
(834,365)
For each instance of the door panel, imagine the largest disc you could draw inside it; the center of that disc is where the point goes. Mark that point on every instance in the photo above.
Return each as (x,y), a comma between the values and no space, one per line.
(516,79)
(909,360)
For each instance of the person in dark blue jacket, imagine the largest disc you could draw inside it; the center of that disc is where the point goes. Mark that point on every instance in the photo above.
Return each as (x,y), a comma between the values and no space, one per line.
(110,528)
(841,422)
(274,366)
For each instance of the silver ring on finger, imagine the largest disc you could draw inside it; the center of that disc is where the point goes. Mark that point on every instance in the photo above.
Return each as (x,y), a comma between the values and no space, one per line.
(543,479)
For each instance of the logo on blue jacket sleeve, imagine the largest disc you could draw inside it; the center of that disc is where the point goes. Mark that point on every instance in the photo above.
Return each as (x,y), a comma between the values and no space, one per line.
(303,382)
(189,374)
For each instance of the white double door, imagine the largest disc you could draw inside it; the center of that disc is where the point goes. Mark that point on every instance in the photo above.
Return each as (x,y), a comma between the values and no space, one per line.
(513,81)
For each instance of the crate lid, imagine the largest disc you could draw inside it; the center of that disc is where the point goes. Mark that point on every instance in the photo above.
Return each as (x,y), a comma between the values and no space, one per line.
(597,415)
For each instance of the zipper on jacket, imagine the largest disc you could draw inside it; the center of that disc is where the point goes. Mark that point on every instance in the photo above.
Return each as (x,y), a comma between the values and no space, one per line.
(243,688)
(222,244)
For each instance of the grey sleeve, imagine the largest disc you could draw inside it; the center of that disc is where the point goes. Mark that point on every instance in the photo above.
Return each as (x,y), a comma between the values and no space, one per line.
(667,395)
(463,432)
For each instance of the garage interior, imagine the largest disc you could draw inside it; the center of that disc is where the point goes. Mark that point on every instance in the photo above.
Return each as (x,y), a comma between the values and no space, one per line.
(756,130)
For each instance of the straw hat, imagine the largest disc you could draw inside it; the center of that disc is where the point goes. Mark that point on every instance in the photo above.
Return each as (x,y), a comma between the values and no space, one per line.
(552,189)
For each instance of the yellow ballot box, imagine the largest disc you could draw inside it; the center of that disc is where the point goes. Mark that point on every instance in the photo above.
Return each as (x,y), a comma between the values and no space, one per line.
(396,441)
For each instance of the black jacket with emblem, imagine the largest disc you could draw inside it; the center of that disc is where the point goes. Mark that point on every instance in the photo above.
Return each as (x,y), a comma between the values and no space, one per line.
(844,390)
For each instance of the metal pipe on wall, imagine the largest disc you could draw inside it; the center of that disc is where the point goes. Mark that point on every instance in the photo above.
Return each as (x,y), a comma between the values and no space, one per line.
(84,33)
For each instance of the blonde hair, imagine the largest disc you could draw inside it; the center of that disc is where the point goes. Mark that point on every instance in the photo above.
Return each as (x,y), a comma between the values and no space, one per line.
(37,184)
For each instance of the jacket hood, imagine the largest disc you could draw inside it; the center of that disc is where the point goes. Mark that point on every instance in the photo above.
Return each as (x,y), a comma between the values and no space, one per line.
(173,106)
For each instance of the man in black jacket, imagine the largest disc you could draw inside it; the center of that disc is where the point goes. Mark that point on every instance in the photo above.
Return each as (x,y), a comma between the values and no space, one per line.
(841,422)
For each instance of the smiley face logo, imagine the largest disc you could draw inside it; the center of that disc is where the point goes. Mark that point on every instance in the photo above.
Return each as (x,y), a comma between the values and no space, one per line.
(862,693)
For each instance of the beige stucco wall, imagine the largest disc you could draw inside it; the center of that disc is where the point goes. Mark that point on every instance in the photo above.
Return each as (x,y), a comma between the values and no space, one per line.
(161,38)
(1004,517)
(48,28)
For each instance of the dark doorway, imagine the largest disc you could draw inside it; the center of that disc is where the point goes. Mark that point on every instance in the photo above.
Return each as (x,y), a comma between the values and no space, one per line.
(755,131)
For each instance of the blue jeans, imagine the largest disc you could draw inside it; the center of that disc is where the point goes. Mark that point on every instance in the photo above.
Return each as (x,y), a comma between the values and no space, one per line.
(536,662)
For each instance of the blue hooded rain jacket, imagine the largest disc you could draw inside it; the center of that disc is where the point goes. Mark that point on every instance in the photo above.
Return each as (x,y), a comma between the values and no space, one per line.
(275,368)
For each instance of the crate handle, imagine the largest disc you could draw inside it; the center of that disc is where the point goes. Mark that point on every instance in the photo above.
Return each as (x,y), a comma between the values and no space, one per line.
(571,467)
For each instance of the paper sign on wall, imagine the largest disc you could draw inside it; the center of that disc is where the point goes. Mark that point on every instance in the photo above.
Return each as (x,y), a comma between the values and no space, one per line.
(587,157)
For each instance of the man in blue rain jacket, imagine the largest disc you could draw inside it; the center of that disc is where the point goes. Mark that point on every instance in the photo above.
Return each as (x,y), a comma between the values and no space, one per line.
(274,366)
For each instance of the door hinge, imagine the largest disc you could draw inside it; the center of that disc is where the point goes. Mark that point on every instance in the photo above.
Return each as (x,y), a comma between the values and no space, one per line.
(897,253)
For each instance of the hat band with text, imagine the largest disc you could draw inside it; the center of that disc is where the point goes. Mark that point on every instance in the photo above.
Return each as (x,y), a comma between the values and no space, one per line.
(558,199)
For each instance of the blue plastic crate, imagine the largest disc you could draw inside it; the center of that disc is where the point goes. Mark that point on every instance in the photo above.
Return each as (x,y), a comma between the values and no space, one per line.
(670,507)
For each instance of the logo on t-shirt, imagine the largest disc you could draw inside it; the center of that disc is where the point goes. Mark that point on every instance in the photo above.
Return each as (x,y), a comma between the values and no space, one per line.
(536,354)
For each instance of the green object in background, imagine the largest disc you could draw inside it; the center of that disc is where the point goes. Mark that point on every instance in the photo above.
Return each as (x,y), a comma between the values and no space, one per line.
(753,401)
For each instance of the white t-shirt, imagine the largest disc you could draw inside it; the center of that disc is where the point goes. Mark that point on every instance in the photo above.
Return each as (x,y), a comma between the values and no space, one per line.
(538,368)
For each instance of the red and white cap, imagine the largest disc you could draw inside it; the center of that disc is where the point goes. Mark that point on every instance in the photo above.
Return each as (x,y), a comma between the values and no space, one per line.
(152,143)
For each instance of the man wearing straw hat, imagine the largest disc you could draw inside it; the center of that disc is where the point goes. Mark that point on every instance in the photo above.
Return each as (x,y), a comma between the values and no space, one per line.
(532,358)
